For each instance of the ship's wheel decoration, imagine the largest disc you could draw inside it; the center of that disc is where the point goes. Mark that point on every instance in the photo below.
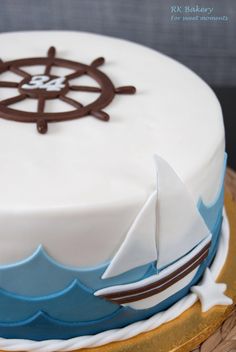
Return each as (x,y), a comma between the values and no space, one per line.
(48,86)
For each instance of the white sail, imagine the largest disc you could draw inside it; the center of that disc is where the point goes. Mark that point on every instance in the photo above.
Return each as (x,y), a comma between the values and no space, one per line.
(139,246)
(168,226)
(180,225)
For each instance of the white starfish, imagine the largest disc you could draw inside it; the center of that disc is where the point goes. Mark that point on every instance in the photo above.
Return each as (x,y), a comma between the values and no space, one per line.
(211,293)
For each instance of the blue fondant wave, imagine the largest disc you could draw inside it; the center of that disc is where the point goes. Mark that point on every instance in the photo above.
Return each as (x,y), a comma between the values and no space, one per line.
(40,275)
(43,327)
(75,303)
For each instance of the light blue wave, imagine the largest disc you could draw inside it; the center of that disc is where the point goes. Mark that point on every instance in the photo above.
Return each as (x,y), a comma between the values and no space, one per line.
(41,275)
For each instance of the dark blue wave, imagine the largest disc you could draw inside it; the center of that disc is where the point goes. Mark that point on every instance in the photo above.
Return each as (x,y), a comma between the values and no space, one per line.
(75,303)
(42,327)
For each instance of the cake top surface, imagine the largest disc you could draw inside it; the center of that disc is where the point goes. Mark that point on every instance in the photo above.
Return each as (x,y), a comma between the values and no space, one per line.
(87,163)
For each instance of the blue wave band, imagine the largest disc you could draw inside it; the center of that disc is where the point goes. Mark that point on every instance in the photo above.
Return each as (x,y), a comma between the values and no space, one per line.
(42,299)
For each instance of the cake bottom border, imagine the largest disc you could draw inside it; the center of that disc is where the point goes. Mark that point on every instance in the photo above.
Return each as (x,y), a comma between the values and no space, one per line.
(180,328)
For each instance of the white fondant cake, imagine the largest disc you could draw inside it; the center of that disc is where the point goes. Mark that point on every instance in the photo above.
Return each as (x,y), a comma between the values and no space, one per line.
(78,189)
(104,223)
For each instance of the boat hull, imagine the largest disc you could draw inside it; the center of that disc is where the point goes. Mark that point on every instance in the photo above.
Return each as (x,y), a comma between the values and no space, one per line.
(153,290)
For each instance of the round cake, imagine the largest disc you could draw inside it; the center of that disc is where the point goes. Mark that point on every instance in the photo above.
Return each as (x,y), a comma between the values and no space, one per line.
(112,170)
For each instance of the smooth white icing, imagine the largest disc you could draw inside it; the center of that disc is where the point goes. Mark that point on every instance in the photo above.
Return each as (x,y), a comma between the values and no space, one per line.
(130,330)
(77,189)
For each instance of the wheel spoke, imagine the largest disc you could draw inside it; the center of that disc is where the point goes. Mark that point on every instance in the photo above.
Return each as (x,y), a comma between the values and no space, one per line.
(51,56)
(98,62)
(19,72)
(75,74)
(86,89)
(70,101)
(41,104)
(6,84)
(48,68)
(101,115)
(13,100)
(125,90)
(51,52)
(42,126)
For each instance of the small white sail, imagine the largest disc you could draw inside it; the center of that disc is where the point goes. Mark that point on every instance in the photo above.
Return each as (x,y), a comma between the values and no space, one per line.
(139,246)
(180,225)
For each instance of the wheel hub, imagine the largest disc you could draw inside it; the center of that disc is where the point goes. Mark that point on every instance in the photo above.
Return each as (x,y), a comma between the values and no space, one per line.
(46,86)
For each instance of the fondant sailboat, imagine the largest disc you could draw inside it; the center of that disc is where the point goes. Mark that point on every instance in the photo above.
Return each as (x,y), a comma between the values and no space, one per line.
(169,231)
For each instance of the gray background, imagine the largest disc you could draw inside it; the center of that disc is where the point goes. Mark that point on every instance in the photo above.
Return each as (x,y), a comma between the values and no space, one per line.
(208,47)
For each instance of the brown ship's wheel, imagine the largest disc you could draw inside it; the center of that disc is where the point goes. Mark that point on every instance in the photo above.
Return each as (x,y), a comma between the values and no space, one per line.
(47,86)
